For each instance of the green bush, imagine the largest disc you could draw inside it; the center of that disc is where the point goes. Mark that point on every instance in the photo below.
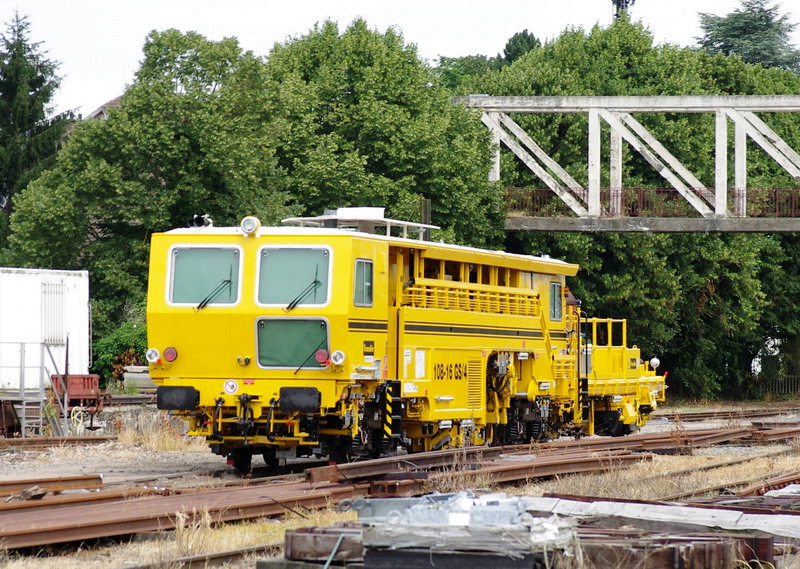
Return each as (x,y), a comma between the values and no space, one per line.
(126,345)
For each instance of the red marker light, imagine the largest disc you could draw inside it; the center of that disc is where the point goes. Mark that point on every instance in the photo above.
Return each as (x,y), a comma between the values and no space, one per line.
(170,354)
(321,356)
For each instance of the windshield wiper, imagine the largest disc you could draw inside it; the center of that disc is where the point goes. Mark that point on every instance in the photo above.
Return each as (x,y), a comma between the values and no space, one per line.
(213,294)
(305,292)
(308,357)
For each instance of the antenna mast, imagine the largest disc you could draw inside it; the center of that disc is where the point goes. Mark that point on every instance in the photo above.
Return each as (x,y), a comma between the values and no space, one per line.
(621,6)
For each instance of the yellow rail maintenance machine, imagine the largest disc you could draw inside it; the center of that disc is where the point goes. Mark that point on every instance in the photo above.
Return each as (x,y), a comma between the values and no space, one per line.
(343,337)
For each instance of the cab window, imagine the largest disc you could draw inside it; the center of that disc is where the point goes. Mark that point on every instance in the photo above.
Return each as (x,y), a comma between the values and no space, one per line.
(555,301)
(362,291)
(291,343)
(204,275)
(293,276)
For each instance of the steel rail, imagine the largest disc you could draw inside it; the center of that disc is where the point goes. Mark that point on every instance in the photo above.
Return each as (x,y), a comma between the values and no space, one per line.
(763,435)
(49,442)
(774,483)
(690,416)
(90,482)
(102,496)
(515,472)
(212,559)
(401,463)
(154,513)
(654,441)
(726,487)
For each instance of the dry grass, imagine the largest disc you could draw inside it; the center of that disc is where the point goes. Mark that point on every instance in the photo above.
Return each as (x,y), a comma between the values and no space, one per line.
(199,536)
(461,475)
(656,479)
(155,431)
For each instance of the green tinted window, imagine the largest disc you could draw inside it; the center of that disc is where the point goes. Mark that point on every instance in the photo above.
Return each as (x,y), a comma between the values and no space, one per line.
(555,301)
(291,343)
(208,275)
(362,293)
(293,276)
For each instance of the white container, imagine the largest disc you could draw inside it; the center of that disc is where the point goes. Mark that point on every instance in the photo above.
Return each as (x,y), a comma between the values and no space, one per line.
(39,310)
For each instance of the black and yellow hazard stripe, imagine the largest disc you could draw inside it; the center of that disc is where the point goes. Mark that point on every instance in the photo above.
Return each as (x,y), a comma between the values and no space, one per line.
(387,413)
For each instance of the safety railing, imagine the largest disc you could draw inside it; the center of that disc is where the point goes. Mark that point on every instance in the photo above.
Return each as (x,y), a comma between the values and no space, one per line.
(655,202)
(453,295)
(25,380)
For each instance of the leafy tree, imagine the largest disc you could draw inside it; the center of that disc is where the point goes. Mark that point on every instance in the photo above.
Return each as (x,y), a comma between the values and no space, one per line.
(755,32)
(368,126)
(28,139)
(452,71)
(190,136)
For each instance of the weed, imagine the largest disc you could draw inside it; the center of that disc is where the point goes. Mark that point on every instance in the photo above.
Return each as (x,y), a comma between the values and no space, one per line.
(191,531)
(156,431)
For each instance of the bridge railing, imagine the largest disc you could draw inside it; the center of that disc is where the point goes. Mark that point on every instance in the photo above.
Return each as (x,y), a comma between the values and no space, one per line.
(653,202)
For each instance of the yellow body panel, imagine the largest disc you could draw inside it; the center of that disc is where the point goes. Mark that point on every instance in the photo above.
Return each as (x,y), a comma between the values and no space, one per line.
(441,345)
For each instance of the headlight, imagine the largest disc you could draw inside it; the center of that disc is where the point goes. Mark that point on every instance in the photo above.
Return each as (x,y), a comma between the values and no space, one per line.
(337,357)
(152,355)
(654,363)
(250,224)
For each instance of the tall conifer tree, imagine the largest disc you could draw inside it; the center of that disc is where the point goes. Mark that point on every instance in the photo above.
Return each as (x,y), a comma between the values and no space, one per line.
(28,138)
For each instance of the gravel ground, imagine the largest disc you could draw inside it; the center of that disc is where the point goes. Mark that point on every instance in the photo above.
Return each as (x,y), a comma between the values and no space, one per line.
(193,465)
(138,463)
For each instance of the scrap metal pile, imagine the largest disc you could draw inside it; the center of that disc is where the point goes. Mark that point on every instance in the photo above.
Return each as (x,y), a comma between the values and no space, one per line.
(464,531)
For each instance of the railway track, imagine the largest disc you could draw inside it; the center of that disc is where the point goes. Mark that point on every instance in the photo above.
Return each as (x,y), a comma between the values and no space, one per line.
(204,560)
(39,443)
(113,513)
(730,414)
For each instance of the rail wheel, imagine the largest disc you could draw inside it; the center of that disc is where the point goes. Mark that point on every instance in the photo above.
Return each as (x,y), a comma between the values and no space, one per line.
(270,458)
(620,430)
(536,431)
(241,460)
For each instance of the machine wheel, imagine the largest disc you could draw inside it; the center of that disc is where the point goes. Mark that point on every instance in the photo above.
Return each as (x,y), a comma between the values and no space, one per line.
(620,430)
(241,459)
(339,450)
(536,431)
(270,458)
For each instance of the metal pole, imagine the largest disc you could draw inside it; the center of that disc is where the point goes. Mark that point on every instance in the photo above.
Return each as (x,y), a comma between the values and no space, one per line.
(24,403)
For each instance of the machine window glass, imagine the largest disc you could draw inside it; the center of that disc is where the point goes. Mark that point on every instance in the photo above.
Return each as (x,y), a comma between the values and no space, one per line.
(204,275)
(555,301)
(362,293)
(291,343)
(293,276)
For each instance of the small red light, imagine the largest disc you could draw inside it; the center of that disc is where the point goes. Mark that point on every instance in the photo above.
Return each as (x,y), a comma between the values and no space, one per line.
(321,356)
(170,354)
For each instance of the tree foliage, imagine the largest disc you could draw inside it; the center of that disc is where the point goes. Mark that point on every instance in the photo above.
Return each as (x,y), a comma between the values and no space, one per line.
(518,45)
(28,138)
(368,125)
(756,32)
(455,72)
